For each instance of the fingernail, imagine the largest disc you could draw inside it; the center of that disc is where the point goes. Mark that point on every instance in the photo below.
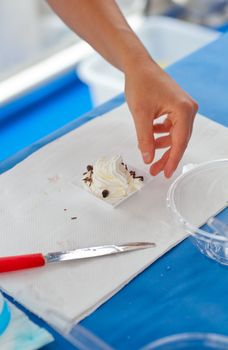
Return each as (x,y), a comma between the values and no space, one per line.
(146,157)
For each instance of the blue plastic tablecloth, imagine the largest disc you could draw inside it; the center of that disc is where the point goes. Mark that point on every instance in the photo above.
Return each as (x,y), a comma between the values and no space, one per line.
(183,291)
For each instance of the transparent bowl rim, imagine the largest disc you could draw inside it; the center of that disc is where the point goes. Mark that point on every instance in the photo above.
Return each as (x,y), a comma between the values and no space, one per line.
(219,338)
(192,229)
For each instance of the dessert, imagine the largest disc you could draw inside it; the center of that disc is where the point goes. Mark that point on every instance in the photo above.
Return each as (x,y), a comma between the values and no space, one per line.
(109,179)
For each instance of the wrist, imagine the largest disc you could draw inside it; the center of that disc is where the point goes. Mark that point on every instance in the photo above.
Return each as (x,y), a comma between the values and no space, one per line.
(131,52)
(137,59)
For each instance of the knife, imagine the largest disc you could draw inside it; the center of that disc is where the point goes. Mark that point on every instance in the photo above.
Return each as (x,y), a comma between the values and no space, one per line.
(20,262)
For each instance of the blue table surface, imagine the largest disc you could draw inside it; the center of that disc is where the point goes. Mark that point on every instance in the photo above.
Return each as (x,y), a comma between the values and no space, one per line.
(183,291)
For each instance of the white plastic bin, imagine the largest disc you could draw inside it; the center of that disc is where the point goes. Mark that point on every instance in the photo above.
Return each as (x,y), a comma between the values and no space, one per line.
(166,39)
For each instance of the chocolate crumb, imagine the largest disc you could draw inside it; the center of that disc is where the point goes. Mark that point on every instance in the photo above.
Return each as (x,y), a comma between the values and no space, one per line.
(73,217)
(84,173)
(89,167)
(105,193)
(65,209)
(139,177)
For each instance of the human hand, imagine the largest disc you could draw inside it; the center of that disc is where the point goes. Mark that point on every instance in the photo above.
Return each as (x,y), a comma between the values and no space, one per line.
(151,93)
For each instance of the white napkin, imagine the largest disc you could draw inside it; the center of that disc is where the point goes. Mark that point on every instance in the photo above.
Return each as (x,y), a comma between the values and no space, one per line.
(22,333)
(34,194)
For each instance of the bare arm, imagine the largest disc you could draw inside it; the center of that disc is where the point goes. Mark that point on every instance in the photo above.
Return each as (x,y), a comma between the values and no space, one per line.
(150,92)
(103,26)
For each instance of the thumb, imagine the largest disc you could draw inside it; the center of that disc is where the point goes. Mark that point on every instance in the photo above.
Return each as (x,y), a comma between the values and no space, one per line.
(145,136)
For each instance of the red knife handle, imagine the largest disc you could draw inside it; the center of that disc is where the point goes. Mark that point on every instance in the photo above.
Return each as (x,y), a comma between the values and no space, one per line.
(20,262)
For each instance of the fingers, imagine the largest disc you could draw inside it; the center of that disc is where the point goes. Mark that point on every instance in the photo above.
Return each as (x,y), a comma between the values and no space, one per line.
(180,136)
(179,129)
(158,166)
(144,130)
(163,142)
(164,127)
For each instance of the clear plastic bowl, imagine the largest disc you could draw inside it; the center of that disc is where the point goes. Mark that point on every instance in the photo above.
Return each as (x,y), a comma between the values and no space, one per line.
(195,197)
(190,341)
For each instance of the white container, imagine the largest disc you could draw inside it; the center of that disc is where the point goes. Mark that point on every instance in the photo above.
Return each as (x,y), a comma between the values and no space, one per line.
(167,40)
(77,181)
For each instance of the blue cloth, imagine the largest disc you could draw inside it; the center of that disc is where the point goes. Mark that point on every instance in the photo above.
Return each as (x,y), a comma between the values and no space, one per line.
(204,75)
(182,291)
(41,112)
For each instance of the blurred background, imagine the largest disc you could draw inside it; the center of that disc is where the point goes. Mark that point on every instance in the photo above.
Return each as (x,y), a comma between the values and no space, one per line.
(30,31)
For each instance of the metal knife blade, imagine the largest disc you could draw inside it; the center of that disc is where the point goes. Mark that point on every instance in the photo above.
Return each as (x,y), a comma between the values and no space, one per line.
(93,252)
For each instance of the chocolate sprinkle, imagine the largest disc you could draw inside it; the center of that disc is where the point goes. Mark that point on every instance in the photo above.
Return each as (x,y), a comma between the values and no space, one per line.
(125,166)
(88,180)
(139,177)
(89,167)
(105,193)
(74,218)
(133,174)
(65,209)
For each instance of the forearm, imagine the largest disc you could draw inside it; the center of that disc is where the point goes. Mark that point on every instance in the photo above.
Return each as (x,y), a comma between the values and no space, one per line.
(103,26)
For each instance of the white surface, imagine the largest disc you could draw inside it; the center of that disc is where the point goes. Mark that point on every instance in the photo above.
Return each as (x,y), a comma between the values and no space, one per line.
(35,193)
(166,39)
(23,334)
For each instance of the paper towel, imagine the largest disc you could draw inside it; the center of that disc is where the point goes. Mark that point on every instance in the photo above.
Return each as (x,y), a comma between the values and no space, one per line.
(36,192)
(23,334)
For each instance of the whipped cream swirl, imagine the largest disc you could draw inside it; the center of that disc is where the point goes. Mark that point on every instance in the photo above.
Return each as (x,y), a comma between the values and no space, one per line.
(110,179)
